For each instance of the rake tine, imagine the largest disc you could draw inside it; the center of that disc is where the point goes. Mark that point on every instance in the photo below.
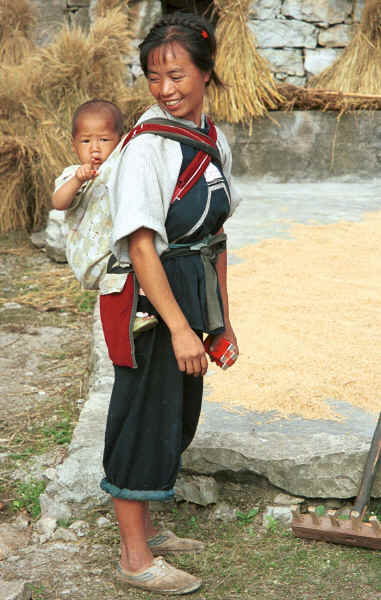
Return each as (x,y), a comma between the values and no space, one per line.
(314,516)
(356,520)
(332,517)
(296,516)
(375,524)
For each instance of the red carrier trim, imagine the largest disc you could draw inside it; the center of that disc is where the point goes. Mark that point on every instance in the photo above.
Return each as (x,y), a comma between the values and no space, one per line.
(117,314)
(200,162)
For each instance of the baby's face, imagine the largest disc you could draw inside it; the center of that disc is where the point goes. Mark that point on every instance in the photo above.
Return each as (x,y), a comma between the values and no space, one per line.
(95,138)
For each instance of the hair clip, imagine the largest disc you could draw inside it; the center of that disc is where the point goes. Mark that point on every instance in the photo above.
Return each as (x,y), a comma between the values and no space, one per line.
(204,34)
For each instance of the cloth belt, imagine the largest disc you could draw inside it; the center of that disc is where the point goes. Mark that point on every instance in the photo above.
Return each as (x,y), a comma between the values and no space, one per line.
(209,248)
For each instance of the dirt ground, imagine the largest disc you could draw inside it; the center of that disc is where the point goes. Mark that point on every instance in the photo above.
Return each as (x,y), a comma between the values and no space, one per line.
(45,328)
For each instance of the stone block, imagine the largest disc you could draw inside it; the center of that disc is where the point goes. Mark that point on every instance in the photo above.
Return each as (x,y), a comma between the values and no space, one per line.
(197,489)
(63,535)
(93,11)
(276,33)
(337,36)
(281,514)
(52,15)
(357,13)
(148,12)
(79,17)
(318,11)
(317,60)
(224,512)
(46,526)
(287,60)
(287,500)
(296,80)
(55,235)
(293,463)
(265,9)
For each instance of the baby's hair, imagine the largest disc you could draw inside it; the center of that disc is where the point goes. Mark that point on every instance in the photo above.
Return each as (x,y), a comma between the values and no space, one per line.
(98,105)
(193,32)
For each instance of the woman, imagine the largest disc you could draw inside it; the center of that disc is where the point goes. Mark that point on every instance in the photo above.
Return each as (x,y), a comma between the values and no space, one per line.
(154,408)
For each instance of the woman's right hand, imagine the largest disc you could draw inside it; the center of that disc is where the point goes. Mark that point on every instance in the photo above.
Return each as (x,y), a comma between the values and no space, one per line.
(190,352)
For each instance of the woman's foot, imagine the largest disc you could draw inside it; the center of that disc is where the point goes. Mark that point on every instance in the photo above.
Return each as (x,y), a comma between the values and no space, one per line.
(162,578)
(166,541)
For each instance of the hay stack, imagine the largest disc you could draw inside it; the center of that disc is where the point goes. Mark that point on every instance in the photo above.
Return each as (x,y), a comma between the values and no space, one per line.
(358,69)
(103,6)
(37,100)
(17,22)
(249,89)
(17,157)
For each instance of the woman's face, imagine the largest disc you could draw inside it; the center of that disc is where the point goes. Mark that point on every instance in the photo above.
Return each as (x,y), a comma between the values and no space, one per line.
(176,83)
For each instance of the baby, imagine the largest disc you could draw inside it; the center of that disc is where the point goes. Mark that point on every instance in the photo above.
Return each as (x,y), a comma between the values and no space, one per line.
(97,128)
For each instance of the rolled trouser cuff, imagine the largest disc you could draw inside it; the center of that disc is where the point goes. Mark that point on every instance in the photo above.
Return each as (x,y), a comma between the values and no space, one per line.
(140,495)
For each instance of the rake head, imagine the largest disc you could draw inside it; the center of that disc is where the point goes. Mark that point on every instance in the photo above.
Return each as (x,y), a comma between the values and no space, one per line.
(350,532)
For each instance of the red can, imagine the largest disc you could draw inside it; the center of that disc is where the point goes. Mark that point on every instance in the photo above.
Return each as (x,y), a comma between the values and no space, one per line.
(224,353)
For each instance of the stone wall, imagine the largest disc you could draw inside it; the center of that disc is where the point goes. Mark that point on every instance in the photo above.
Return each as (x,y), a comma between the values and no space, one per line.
(300,38)
(52,14)
(308,146)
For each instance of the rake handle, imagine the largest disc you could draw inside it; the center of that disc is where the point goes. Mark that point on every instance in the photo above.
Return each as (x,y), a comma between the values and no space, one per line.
(369,472)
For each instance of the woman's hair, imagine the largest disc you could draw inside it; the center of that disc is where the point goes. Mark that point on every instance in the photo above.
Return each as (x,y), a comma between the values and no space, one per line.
(96,106)
(194,33)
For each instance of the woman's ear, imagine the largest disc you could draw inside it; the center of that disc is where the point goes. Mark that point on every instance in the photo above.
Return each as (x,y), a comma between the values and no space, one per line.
(207,77)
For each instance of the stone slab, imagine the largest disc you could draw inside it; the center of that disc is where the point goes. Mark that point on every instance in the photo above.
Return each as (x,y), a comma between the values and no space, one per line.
(318,11)
(319,59)
(337,36)
(52,15)
(359,7)
(286,60)
(277,33)
(308,146)
(265,9)
(311,458)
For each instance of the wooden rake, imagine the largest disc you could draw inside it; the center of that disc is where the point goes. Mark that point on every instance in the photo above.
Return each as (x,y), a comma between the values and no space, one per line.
(353,531)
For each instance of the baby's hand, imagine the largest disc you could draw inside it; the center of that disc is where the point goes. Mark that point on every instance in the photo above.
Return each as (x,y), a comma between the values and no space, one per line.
(85,172)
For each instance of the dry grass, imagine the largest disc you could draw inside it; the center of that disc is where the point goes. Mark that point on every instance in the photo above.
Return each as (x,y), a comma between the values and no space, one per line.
(37,99)
(299,98)
(358,69)
(249,89)
(17,22)
(103,6)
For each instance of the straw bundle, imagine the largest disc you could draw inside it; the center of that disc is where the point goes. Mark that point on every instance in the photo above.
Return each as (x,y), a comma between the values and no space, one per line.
(17,156)
(17,21)
(37,100)
(358,69)
(249,88)
(298,98)
(103,6)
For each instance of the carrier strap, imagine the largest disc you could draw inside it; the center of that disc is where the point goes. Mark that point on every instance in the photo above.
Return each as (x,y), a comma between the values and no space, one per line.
(206,145)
